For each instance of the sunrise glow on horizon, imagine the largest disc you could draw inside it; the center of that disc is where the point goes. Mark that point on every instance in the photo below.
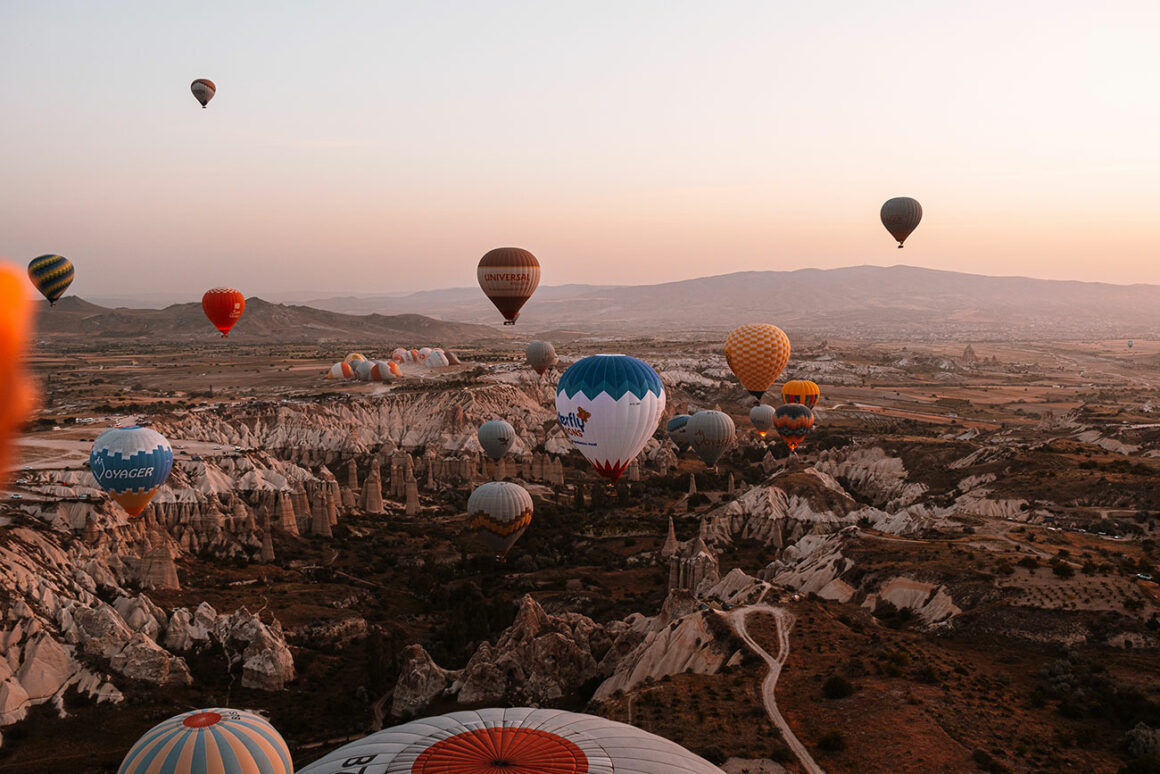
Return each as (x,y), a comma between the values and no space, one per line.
(385,147)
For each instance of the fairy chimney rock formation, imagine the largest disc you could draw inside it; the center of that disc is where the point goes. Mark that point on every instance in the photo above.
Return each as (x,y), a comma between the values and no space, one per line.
(412,496)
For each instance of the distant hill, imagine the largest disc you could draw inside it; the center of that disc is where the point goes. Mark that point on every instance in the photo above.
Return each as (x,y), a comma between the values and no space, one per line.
(858,301)
(262,322)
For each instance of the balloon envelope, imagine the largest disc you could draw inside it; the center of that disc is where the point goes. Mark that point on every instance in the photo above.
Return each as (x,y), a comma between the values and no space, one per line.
(340,371)
(678,430)
(541,356)
(800,391)
(530,741)
(436,360)
(609,406)
(51,274)
(499,512)
(508,276)
(203,90)
(362,369)
(496,437)
(354,357)
(131,464)
(757,354)
(223,307)
(711,434)
(226,741)
(793,421)
(761,416)
(901,216)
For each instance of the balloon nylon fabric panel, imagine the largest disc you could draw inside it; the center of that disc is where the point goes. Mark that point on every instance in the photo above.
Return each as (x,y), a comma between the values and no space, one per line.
(608,747)
(211,740)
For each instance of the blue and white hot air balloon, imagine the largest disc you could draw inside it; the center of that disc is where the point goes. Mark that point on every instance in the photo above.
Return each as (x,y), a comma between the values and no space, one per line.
(609,406)
(131,464)
(221,740)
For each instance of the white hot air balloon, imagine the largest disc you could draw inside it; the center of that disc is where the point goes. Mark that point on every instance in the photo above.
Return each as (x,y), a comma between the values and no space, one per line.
(362,369)
(609,406)
(436,360)
(516,739)
(761,416)
(499,512)
(711,434)
(341,370)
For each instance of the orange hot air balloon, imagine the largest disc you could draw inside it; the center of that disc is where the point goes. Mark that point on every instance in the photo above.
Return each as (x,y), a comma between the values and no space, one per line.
(223,307)
(16,396)
(508,276)
(757,354)
(801,391)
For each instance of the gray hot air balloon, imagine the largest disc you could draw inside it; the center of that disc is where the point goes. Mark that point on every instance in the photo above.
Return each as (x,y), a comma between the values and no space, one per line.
(901,215)
(541,356)
(762,418)
(496,437)
(499,512)
(711,435)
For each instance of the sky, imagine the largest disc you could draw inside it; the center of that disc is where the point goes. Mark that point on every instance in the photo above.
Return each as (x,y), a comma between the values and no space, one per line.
(381,147)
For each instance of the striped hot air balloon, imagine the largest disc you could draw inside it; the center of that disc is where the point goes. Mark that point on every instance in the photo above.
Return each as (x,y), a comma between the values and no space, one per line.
(609,406)
(801,391)
(51,274)
(16,394)
(508,276)
(131,464)
(757,354)
(340,370)
(901,216)
(499,512)
(515,739)
(220,740)
(793,422)
(223,307)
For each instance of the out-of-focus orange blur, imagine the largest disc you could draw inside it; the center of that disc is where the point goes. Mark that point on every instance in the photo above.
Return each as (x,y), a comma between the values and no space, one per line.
(16,395)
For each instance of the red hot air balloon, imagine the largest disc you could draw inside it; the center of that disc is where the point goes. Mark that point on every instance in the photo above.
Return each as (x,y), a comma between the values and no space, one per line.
(509,276)
(223,307)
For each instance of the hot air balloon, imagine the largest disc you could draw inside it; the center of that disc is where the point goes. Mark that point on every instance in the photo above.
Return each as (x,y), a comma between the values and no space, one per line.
(500,511)
(508,276)
(757,354)
(1131,343)
(678,430)
(354,357)
(792,422)
(800,391)
(711,434)
(761,416)
(385,370)
(513,739)
(401,355)
(223,307)
(51,274)
(226,741)
(541,356)
(340,371)
(436,360)
(131,464)
(16,395)
(901,215)
(609,406)
(362,369)
(203,90)
(496,437)
(424,352)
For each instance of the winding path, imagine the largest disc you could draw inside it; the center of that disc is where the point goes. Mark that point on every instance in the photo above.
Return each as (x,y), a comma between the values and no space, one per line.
(784,621)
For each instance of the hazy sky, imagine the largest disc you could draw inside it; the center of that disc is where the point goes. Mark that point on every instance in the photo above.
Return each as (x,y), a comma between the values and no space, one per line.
(379,146)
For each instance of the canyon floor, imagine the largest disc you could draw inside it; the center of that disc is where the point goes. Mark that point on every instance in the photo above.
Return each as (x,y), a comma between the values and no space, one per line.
(962,553)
